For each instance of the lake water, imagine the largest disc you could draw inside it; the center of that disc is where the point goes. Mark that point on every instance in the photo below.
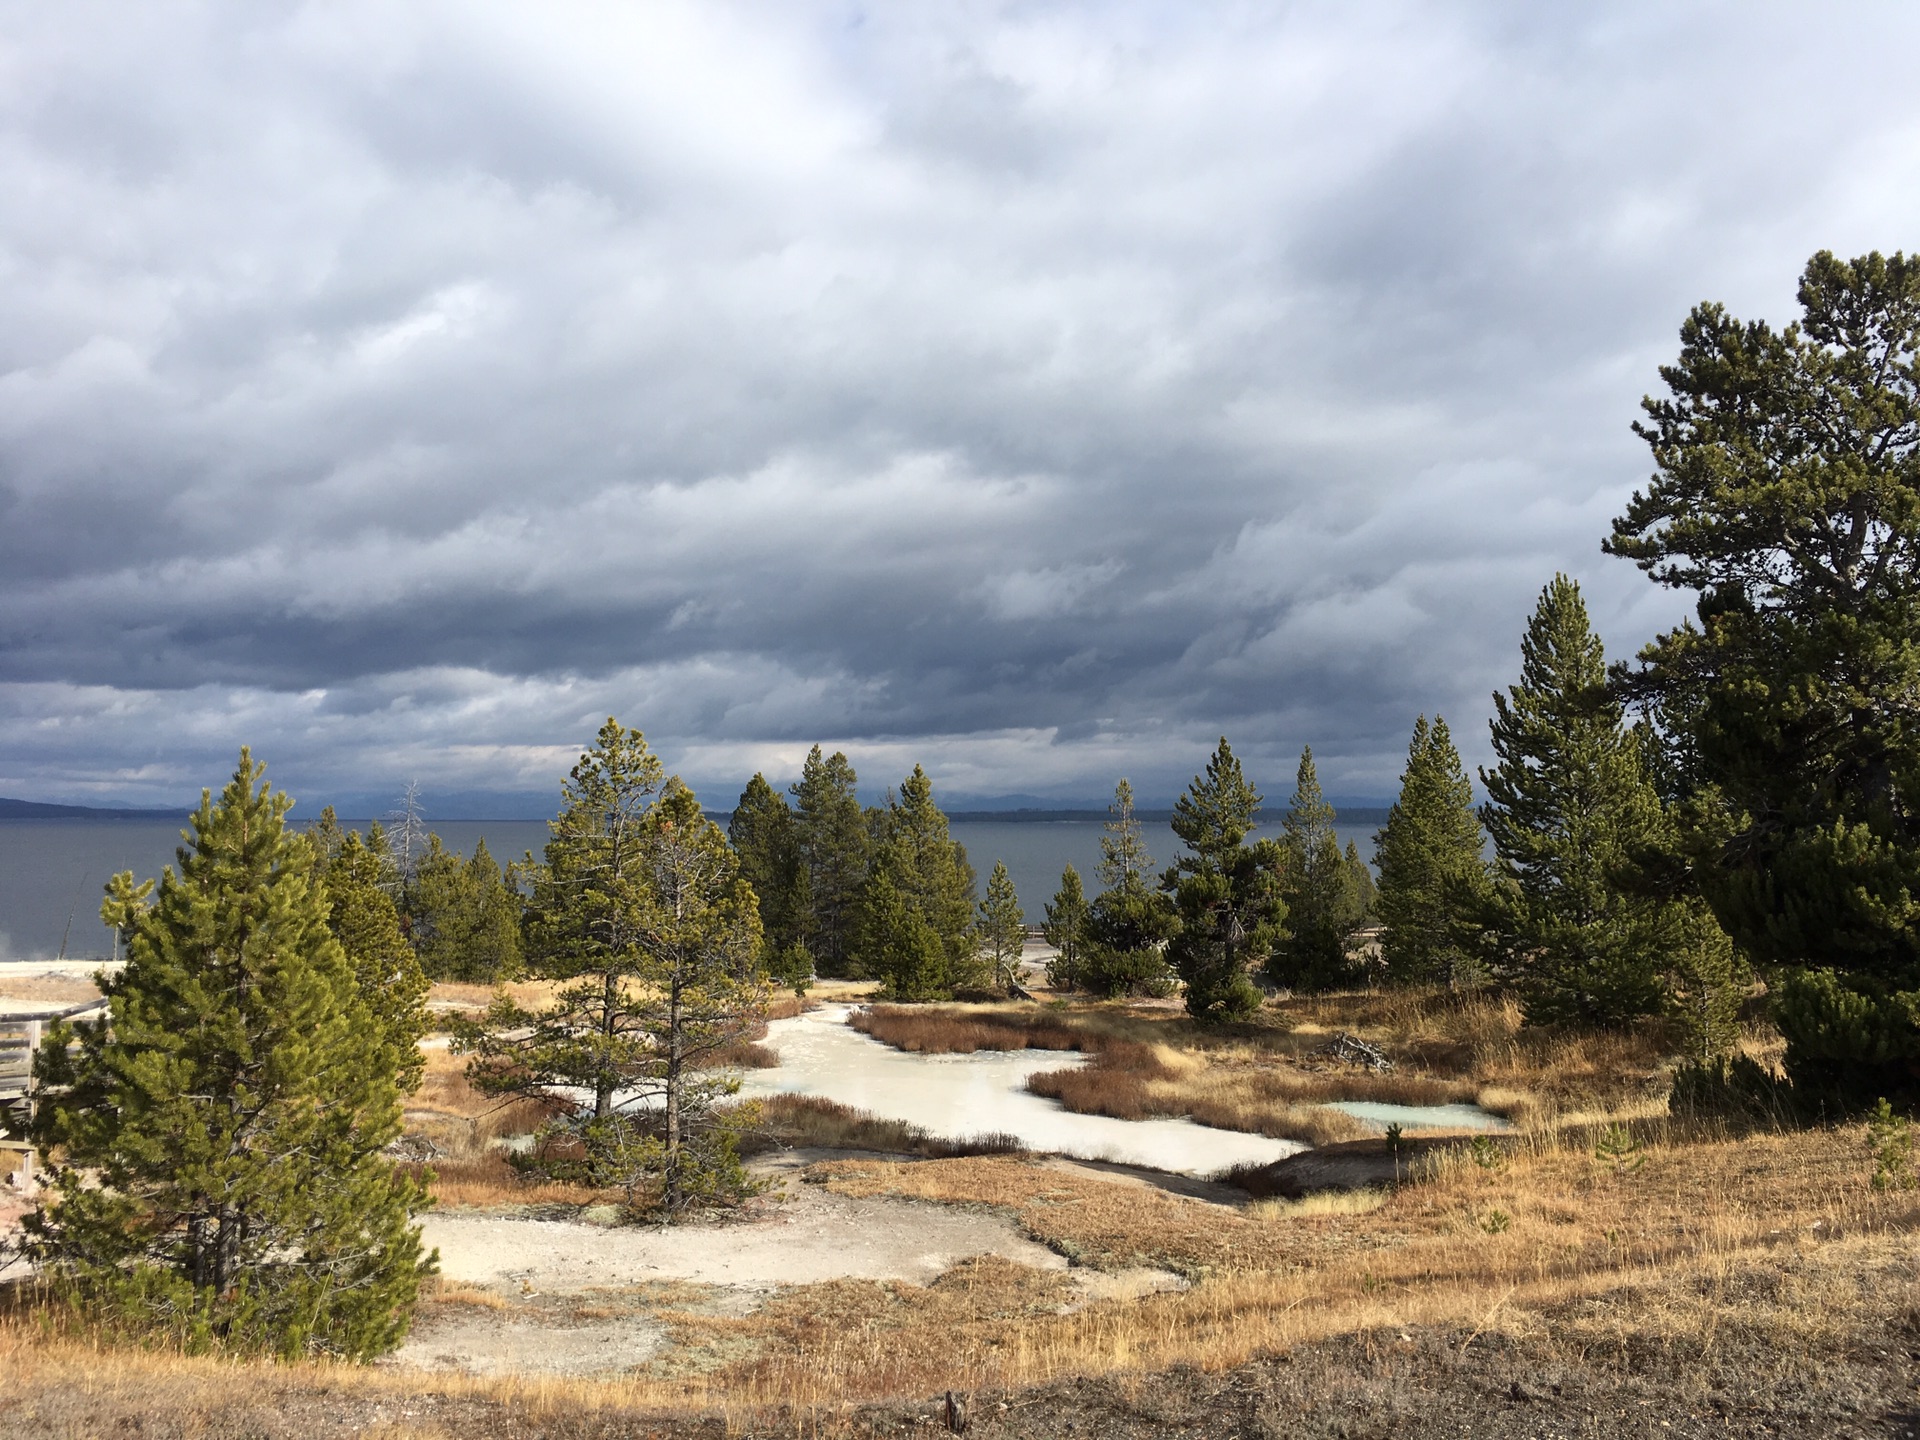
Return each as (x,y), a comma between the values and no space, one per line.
(959,1095)
(52,871)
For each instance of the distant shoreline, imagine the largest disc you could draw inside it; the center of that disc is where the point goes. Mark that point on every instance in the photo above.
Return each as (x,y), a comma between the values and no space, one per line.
(35,810)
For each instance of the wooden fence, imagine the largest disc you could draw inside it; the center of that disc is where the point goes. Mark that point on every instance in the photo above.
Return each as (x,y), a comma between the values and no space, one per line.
(20,1037)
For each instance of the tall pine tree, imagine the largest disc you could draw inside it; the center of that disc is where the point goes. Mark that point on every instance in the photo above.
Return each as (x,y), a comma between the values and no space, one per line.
(1066,930)
(1131,920)
(386,972)
(219,1177)
(466,921)
(833,844)
(1323,899)
(767,840)
(1570,803)
(1432,876)
(1002,927)
(1225,893)
(928,870)
(639,913)
(1786,496)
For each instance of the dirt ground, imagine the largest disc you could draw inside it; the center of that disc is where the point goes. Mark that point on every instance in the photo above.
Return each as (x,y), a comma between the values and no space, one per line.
(522,1294)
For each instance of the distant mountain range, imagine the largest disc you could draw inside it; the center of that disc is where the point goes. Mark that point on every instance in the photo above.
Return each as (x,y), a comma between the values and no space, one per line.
(34,810)
(1352,809)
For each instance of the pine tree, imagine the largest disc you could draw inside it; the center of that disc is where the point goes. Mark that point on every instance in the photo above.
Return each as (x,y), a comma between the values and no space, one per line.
(1131,920)
(929,871)
(1324,905)
(1002,927)
(640,914)
(899,946)
(1065,930)
(386,972)
(466,918)
(1123,853)
(219,1178)
(1432,877)
(1785,497)
(1366,892)
(1225,893)
(767,840)
(1568,804)
(831,836)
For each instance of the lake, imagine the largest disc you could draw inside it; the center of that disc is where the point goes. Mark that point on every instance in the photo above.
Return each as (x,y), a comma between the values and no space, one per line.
(52,871)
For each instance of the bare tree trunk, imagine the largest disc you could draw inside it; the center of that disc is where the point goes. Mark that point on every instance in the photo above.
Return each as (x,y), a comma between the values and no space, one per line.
(604,1082)
(675,1060)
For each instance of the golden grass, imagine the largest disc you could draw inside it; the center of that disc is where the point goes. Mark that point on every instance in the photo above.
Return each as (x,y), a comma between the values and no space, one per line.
(811,1121)
(50,988)
(954,1030)
(1447,1049)
(1779,1236)
(458,995)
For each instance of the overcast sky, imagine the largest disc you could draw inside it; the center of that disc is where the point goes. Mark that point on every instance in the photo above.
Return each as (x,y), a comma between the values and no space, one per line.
(1033,391)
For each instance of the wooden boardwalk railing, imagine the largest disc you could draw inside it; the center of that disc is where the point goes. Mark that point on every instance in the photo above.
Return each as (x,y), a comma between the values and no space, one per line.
(20,1036)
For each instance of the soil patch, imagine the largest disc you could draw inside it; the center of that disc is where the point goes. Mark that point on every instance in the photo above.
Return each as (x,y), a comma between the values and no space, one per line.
(806,1235)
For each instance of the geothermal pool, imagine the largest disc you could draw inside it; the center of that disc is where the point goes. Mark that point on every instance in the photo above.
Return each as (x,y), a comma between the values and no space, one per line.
(977,1094)
(959,1095)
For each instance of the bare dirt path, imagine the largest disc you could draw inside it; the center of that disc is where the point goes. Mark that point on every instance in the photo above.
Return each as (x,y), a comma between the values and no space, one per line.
(808,1236)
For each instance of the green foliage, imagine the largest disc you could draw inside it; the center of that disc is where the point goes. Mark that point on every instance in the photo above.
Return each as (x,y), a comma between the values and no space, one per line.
(1132,919)
(218,1179)
(1496,1222)
(1225,892)
(833,845)
(1733,1087)
(1787,496)
(1569,804)
(1066,931)
(924,874)
(640,912)
(386,972)
(466,917)
(126,902)
(765,836)
(900,946)
(1487,1154)
(1324,902)
(1360,877)
(1432,877)
(1620,1150)
(1890,1142)
(1845,1033)
(1002,926)
(792,967)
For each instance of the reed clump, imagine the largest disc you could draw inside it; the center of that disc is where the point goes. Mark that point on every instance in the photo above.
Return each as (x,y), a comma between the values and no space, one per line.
(812,1122)
(943,1030)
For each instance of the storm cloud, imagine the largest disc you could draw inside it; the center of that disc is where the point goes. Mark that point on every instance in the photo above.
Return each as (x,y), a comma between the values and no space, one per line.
(1034,391)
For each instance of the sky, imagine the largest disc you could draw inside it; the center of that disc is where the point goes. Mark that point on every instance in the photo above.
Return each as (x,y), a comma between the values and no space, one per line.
(1035,392)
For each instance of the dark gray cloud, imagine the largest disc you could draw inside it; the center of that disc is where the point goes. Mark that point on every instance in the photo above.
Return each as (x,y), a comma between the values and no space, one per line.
(1036,391)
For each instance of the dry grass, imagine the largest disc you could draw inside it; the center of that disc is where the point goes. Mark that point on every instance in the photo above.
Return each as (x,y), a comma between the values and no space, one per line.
(49,988)
(953,1030)
(1779,1239)
(458,995)
(811,1122)
(1147,1064)
(464,1126)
